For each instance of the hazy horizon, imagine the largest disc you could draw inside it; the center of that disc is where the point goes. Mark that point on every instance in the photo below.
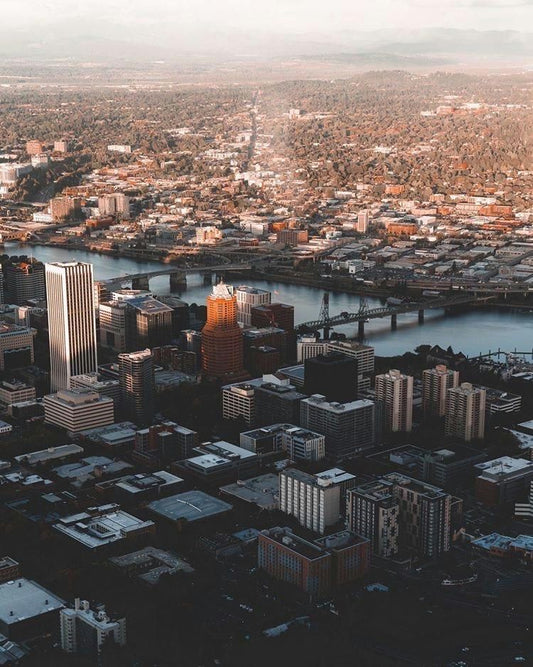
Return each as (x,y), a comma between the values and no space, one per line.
(52,27)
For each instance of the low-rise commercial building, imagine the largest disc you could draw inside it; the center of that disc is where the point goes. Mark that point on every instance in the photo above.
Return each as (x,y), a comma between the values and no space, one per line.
(27,610)
(78,410)
(503,481)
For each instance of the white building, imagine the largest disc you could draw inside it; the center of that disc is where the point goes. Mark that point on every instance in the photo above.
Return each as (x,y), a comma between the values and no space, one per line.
(308,347)
(349,427)
(394,394)
(315,502)
(248,298)
(71,321)
(84,630)
(238,400)
(78,410)
(435,384)
(465,412)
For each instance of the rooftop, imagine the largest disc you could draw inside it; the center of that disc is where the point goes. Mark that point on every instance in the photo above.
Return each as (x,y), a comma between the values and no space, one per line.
(503,466)
(262,491)
(100,526)
(22,599)
(295,543)
(49,454)
(190,506)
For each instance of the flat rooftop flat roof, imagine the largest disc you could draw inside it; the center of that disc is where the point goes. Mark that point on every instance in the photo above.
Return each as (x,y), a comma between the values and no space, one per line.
(262,491)
(21,599)
(191,506)
(505,465)
(105,525)
(49,454)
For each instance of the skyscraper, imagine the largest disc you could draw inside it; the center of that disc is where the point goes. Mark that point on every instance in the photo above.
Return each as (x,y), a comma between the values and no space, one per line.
(222,342)
(465,412)
(435,384)
(394,395)
(71,321)
(136,378)
(334,375)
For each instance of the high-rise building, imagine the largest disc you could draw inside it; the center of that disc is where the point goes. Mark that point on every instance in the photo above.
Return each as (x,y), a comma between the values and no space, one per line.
(362,221)
(277,401)
(222,342)
(394,395)
(334,375)
(34,147)
(425,515)
(465,412)
(148,323)
(238,401)
(435,384)
(373,511)
(313,501)
(24,281)
(16,346)
(71,321)
(84,631)
(349,427)
(308,346)
(116,203)
(398,511)
(112,325)
(136,377)
(363,354)
(248,298)
(64,207)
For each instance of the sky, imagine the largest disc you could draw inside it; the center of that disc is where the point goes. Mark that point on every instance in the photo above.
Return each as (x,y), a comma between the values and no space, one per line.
(278,16)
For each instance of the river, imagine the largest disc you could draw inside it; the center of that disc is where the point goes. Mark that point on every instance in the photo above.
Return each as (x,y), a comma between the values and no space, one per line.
(470,332)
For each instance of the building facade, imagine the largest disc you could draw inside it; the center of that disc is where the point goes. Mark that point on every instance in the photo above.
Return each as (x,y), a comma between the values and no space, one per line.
(394,394)
(465,412)
(71,321)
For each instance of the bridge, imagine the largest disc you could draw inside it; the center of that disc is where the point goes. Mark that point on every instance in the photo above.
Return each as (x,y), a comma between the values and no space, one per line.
(178,276)
(364,314)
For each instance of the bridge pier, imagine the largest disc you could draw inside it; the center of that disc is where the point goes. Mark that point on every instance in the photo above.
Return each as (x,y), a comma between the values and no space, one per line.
(361,329)
(208,278)
(178,281)
(220,277)
(142,283)
(393,322)
(420,317)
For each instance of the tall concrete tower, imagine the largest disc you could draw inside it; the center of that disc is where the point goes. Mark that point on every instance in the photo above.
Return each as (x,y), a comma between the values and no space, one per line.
(71,321)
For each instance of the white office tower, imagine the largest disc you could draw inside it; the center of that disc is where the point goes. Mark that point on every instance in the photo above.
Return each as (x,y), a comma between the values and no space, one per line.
(307,347)
(248,298)
(71,321)
(84,630)
(362,221)
(435,384)
(465,412)
(314,501)
(394,395)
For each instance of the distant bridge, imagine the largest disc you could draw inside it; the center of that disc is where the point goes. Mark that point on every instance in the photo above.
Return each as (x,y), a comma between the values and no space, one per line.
(327,322)
(178,276)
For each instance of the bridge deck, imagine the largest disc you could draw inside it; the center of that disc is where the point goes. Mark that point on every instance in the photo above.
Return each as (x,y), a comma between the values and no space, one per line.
(388,311)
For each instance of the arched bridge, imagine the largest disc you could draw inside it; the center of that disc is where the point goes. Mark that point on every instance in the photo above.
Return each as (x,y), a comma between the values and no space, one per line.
(178,276)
